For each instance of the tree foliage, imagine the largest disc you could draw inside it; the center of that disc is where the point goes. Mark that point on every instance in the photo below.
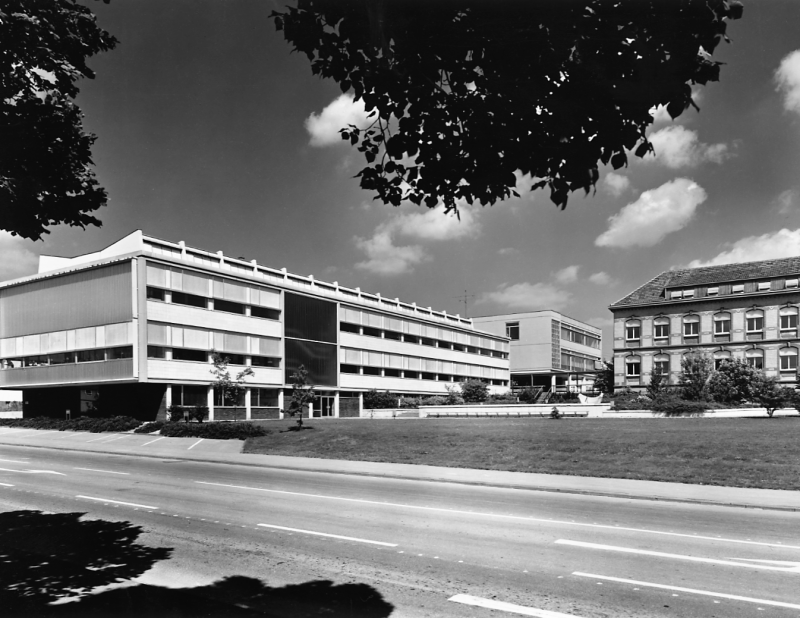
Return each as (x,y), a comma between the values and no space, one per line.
(45,174)
(732,383)
(604,379)
(767,393)
(695,371)
(375,400)
(463,96)
(474,391)
(230,388)
(657,384)
(302,395)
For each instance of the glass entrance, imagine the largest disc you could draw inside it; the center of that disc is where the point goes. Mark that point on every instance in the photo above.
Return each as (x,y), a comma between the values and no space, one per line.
(323,406)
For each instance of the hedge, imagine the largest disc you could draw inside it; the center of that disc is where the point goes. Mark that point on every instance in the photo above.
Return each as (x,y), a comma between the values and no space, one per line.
(83,423)
(149,427)
(216,431)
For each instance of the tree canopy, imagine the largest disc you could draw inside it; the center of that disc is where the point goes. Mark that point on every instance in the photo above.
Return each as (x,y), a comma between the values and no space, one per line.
(45,155)
(464,95)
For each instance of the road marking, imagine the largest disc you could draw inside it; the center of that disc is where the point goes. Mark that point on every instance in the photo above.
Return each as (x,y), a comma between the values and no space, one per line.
(332,536)
(141,506)
(117,438)
(195,444)
(33,471)
(14,461)
(514,517)
(6,484)
(156,440)
(468,599)
(720,595)
(658,554)
(106,471)
(96,439)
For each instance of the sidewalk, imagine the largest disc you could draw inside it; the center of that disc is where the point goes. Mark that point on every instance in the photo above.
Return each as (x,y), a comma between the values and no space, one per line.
(229,452)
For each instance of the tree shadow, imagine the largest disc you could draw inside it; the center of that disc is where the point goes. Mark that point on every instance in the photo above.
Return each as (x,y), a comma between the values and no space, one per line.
(46,558)
(295,428)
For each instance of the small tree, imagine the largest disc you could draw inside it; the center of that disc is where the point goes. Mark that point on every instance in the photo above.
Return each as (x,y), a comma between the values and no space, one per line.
(453,397)
(604,380)
(374,400)
(695,371)
(766,392)
(302,395)
(658,381)
(733,382)
(230,389)
(474,391)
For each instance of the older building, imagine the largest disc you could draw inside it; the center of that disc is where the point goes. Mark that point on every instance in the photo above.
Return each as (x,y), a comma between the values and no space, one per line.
(548,349)
(746,311)
(131,330)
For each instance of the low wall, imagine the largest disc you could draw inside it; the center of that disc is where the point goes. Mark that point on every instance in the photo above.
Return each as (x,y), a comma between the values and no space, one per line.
(727,413)
(390,413)
(566,409)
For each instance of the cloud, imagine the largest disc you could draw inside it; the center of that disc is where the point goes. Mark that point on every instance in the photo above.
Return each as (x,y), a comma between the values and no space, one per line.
(787,201)
(655,214)
(343,111)
(18,260)
(528,296)
(508,251)
(676,146)
(616,184)
(384,258)
(601,278)
(788,77)
(770,246)
(568,274)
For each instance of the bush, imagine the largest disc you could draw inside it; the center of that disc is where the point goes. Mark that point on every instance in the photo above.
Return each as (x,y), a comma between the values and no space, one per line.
(474,391)
(564,398)
(149,427)
(83,423)
(529,394)
(434,400)
(214,431)
(195,413)
(733,382)
(674,406)
(508,397)
(376,400)
(627,399)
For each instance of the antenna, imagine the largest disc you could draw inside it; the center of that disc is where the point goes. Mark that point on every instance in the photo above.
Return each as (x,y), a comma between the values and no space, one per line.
(463,299)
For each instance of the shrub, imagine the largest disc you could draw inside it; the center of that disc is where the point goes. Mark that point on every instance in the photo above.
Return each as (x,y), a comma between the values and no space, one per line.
(507,397)
(564,398)
(675,406)
(474,391)
(627,399)
(733,382)
(83,423)
(766,392)
(195,413)
(434,400)
(214,431)
(529,394)
(376,400)
(453,397)
(149,427)
(695,372)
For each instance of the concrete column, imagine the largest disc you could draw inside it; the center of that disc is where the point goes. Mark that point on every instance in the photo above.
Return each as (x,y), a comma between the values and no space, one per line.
(336,404)
(280,402)
(360,403)
(210,402)
(168,396)
(247,406)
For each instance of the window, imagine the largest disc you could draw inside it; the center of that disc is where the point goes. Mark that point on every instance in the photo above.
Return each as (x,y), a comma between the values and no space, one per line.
(265,361)
(389,334)
(512,330)
(737,289)
(755,324)
(118,353)
(633,367)
(688,293)
(155,293)
(791,283)
(371,371)
(182,298)
(661,328)
(62,358)
(349,368)
(788,359)
(691,326)
(228,306)
(411,338)
(721,357)
(262,312)
(788,320)
(91,356)
(661,364)
(371,332)
(391,373)
(713,291)
(755,358)
(349,328)
(763,285)
(156,351)
(676,294)
(231,359)
(189,395)
(428,342)
(633,330)
(200,356)
(263,398)
(722,324)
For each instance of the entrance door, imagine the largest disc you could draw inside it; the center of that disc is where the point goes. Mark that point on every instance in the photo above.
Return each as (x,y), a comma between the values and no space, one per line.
(323,406)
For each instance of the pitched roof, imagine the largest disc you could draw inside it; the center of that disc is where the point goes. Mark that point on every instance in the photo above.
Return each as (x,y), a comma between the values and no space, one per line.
(653,290)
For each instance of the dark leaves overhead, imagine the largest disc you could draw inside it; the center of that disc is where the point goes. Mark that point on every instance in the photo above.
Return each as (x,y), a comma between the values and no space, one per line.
(465,93)
(45,156)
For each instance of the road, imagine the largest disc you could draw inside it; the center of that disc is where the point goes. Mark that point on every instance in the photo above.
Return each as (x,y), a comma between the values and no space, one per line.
(313,543)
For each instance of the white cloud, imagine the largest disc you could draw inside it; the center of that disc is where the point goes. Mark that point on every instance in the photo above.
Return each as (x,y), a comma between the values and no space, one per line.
(18,260)
(770,246)
(528,296)
(507,251)
(384,258)
(676,146)
(341,112)
(655,214)
(787,201)
(788,77)
(568,274)
(601,278)
(616,184)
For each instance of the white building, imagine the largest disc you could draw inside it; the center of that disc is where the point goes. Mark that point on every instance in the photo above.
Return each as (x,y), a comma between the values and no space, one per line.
(131,329)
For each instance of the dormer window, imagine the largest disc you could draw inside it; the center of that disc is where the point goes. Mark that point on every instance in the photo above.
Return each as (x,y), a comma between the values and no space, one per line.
(791,283)
(763,286)
(688,293)
(675,294)
(713,291)
(737,289)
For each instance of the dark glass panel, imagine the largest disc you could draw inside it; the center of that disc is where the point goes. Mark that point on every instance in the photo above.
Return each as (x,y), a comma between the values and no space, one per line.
(265,361)
(411,338)
(371,371)
(156,351)
(310,318)
(90,356)
(182,298)
(263,312)
(349,369)
(392,335)
(189,355)
(319,360)
(349,328)
(228,306)
(155,294)
(190,395)
(391,373)
(372,332)
(428,376)
(117,353)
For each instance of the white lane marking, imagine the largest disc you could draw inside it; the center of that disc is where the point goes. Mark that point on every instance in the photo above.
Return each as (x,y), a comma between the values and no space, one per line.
(332,536)
(468,599)
(514,517)
(658,554)
(151,441)
(6,484)
(96,439)
(195,444)
(106,471)
(33,471)
(14,461)
(117,438)
(779,562)
(141,506)
(708,593)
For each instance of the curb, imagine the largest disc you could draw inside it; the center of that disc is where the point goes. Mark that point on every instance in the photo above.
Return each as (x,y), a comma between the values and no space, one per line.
(580,492)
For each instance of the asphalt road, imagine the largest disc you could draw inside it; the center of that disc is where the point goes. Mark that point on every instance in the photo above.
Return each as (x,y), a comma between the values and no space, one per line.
(331,544)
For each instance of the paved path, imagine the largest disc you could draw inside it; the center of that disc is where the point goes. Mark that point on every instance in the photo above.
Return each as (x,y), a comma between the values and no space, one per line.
(229,451)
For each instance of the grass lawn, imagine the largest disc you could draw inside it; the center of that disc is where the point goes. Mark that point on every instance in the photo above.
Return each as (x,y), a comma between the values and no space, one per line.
(735,452)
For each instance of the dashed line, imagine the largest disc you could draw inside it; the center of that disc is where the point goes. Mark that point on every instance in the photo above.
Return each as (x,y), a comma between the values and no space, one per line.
(151,441)
(106,500)
(332,536)
(468,599)
(721,595)
(106,471)
(7,485)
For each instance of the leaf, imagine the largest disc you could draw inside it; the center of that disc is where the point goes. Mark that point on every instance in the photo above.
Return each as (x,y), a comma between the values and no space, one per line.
(619,160)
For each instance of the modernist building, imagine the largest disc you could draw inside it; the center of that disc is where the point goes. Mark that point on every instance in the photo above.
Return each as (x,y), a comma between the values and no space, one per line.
(746,311)
(131,330)
(548,349)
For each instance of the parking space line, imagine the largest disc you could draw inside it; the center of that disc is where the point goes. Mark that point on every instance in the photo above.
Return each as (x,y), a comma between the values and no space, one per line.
(117,438)
(325,534)
(195,444)
(141,506)
(156,440)
(720,595)
(96,439)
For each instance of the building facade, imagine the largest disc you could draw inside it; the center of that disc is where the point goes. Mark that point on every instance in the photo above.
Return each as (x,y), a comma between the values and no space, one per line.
(548,349)
(131,330)
(747,311)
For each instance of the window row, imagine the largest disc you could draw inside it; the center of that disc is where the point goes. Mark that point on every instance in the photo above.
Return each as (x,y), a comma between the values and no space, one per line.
(378,321)
(204,356)
(217,304)
(65,358)
(787,361)
(351,356)
(388,372)
(690,325)
(736,288)
(575,362)
(259,398)
(204,339)
(109,335)
(576,336)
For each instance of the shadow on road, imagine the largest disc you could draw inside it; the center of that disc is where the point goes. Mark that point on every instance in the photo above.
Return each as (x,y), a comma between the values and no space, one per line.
(51,557)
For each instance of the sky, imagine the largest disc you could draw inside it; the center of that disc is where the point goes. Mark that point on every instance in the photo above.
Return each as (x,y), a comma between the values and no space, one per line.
(210,131)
